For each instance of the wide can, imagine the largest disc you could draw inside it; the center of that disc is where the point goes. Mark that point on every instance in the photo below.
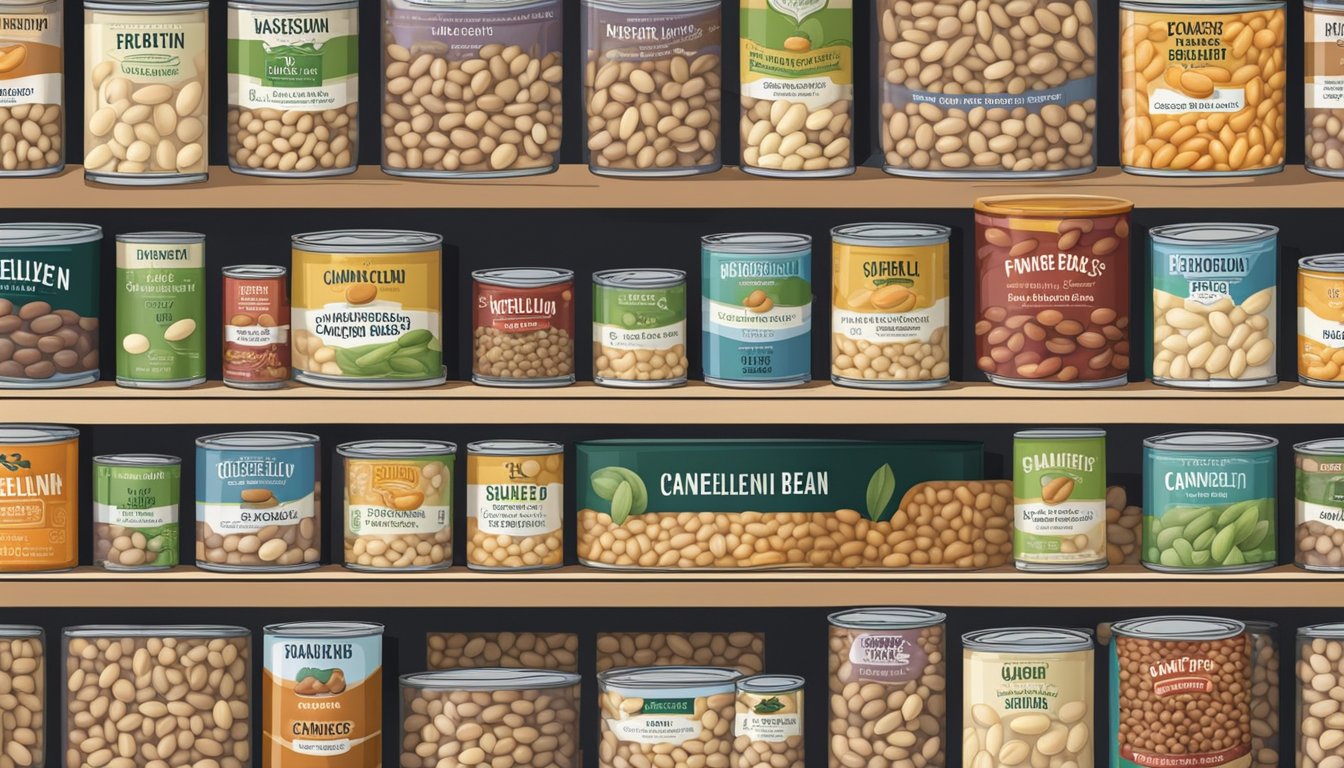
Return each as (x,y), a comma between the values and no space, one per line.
(768,729)
(136,511)
(1052,290)
(1320,320)
(160,309)
(682,713)
(1324,76)
(890,306)
(523,327)
(639,328)
(756,309)
(49,305)
(1180,693)
(1208,502)
(515,505)
(1318,504)
(39,497)
(1059,499)
(322,695)
(398,504)
(368,309)
(256,326)
(1032,682)
(32,73)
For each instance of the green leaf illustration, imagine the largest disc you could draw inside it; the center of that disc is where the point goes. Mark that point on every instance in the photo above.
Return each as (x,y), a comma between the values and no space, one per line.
(881,487)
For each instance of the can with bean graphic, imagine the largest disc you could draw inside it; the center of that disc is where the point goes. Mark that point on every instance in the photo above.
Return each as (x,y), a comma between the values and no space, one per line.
(1059,499)
(398,504)
(1318,502)
(515,505)
(160,309)
(256,326)
(1320,320)
(639,328)
(768,729)
(32,57)
(135,511)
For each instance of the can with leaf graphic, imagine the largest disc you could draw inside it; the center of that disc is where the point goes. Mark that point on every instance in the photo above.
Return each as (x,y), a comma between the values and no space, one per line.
(1059,499)
(768,727)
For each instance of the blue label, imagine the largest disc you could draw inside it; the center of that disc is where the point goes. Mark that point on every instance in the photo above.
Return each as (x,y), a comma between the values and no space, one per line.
(757,316)
(1208,272)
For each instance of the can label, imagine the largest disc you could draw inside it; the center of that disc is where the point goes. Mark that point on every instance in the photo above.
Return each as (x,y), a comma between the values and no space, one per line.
(1318,503)
(322,701)
(1059,500)
(769,717)
(160,311)
(757,317)
(143,500)
(798,50)
(890,658)
(1027,694)
(31,59)
(658,721)
(516,495)
(1209,510)
(390,497)
(523,333)
(256,330)
(245,490)
(638,35)
(639,318)
(413,26)
(49,313)
(1325,67)
(293,60)
(39,506)
(1320,325)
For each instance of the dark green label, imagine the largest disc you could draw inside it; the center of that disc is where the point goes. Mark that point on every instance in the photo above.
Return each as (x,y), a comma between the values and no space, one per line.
(668,707)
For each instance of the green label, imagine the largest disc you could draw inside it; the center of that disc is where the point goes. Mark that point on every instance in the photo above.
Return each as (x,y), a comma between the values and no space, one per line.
(668,707)
(64,277)
(160,311)
(293,60)
(1059,499)
(141,499)
(639,318)
(1209,510)
(293,66)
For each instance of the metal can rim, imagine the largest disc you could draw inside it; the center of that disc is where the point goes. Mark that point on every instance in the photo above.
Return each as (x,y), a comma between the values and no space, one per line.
(1174,234)
(490,679)
(395,449)
(636,6)
(255,271)
(886,617)
(758,243)
(1322,262)
(523,277)
(160,236)
(477,5)
(16,6)
(671,677)
(656,277)
(323,629)
(1029,640)
(156,630)
(1222,442)
(890,234)
(1184,627)
(137,460)
(513,448)
(293,6)
(1324,446)
(1059,434)
(41,234)
(366,241)
(1208,6)
(225,441)
(146,6)
(1329,629)
(770,683)
(37,434)
(1053,206)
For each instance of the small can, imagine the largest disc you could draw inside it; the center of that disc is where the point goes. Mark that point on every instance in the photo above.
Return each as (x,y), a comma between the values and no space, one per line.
(1180,693)
(256,326)
(25,662)
(890,306)
(523,327)
(136,511)
(768,728)
(1215,298)
(1318,504)
(639,328)
(160,309)
(1033,682)
(1324,77)
(1059,499)
(322,694)
(256,502)
(515,505)
(1320,320)
(398,504)
(1265,742)
(39,497)
(1208,502)
(32,70)
(649,712)
(756,307)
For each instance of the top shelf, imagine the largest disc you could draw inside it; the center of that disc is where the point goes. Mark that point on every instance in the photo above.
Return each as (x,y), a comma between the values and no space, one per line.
(572,186)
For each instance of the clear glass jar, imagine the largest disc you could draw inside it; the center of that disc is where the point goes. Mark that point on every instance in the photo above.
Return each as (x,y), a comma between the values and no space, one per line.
(23,710)
(32,73)
(1264,693)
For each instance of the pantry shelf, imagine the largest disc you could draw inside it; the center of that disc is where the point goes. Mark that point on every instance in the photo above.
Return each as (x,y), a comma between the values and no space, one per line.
(572,186)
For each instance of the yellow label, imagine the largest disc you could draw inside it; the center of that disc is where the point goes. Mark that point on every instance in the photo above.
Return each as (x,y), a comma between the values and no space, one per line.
(1320,325)
(516,495)
(797,50)
(885,294)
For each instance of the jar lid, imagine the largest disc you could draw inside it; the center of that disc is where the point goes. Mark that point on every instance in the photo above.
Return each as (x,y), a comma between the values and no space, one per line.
(157,630)
(1053,206)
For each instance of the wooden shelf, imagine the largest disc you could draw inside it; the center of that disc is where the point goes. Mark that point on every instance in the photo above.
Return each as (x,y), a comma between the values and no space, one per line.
(574,187)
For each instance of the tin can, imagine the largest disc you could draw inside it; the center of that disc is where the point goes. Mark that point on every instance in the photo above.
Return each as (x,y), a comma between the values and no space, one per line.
(153,54)
(650,712)
(368,309)
(639,328)
(1180,692)
(1319,648)
(49,305)
(1265,743)
(256,502)
(523,327)
(1324,77)
(1033,682)
(515,505)
(33,68)
(1214,285)
(256,326)
(136,511)
(876,655)
(398,504)
(890,306)
(1059,504)
(160,309)
(39,497)
(1052,295)
(1208,502)
(1318,504)
(1320,320)
(756,307)
(768,729)
(322,695)
(25,660)
(295,63)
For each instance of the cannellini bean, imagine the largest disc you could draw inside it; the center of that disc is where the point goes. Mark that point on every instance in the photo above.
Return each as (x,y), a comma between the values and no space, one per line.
(516,650)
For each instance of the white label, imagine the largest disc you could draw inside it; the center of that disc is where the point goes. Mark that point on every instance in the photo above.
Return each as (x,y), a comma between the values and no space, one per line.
(662,337)
(153,517)
(340,325)
(519,509)
(256,335)
(33,89)
(1308,512)
(1165,101)
(321,748)
(373,520)
(1067,519)
(655,729)
(1316,328)
(235,518)
(771,728)
(777,322)
(815,92)
(886,327)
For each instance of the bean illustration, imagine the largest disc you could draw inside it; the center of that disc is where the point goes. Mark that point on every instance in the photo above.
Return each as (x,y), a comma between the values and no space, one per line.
(1210,536)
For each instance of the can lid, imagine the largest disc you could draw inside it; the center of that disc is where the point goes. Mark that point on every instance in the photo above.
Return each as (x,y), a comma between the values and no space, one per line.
(1214,233)
(390,449)
(245,440)
(513,447)
(146,6)
(1046,434)
(1051,206)
(1325,262)
(137,460)
(1179,628)
(37,235)
(760,243)
(1260,626)
(367,241)
(1324,446)
(36,434)
(886,618)
(490,679)
(639,278)
(1210,441)
(890,234)
(668,678)
(323,629)
(156,630)
(255,271)
(1028,640)
(1331,629)
(770,683)
(523,277)
(19,630)
(161,237)
(12,6)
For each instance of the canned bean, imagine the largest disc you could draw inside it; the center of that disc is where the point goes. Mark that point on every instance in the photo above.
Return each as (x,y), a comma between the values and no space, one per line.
(1318,502)
(1320,732)
(743,651)
(39,497)
(24,709)
(398,504)
(1324,77)
(1214,304)
(678,715)
(1264,693)
(512,650)
(136,511)
(515,505)
(160,309)
(523,327)
(1320,320)
(1059,506)
(256,326)
(639,328)
(32,55)
(768,729)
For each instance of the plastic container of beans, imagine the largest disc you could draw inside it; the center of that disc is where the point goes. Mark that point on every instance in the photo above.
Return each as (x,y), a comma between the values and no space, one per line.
(32,57)
(523,332)
(666,715)
(23,710)
(1320,737)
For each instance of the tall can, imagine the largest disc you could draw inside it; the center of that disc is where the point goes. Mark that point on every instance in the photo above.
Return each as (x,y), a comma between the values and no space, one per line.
(136,511)
(1324,75)
(768,728)
(39,497)
(515,505)
(639,328)
(756,309)
(160,309)
(797,84)
(1318,504)
(523,327)
(256,326)
(890,306)
(32,75)
(1059,499)
(1320,320)
(1319,648)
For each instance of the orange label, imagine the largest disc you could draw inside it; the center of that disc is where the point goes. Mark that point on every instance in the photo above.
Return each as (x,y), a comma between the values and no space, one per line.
(1320,325)
(322,702)
(39,493)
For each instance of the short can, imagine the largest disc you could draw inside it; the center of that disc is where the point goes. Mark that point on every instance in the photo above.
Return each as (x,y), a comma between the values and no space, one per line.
(535,709)
(1059,499)
(160,309)
(1034,683)
(398,504)
(515,505)
(49,305)
(1324,76)
(32,105)
(256,502)
(888,663)
(639,328)
(293,64)
(256,326)
(368,309)
(1320,320)
(522,327)
(1217,67)
(24,664)
(647,61)
(1052,290)
(1265,743)
(136,511)
(1180,692)
(797,84)
(39,497)
(647,713)
(890,306)
(443,118)
(1318,731)
(756,309)
(768,728)
(1208,502)
(146,91)
(1318,504)
(322,694)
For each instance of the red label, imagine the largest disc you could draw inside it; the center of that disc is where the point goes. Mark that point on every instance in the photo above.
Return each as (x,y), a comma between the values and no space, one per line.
(524,310)
(256,330)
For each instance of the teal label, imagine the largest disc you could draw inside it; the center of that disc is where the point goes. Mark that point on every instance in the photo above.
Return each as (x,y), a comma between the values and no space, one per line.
(160,311)
(64,277)
(1208,273)
(142,500)
(757,316)
(293,60)
(1209,510)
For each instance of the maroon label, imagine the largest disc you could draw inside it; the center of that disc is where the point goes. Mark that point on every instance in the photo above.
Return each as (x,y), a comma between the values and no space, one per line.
(256,330)
(524,310)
